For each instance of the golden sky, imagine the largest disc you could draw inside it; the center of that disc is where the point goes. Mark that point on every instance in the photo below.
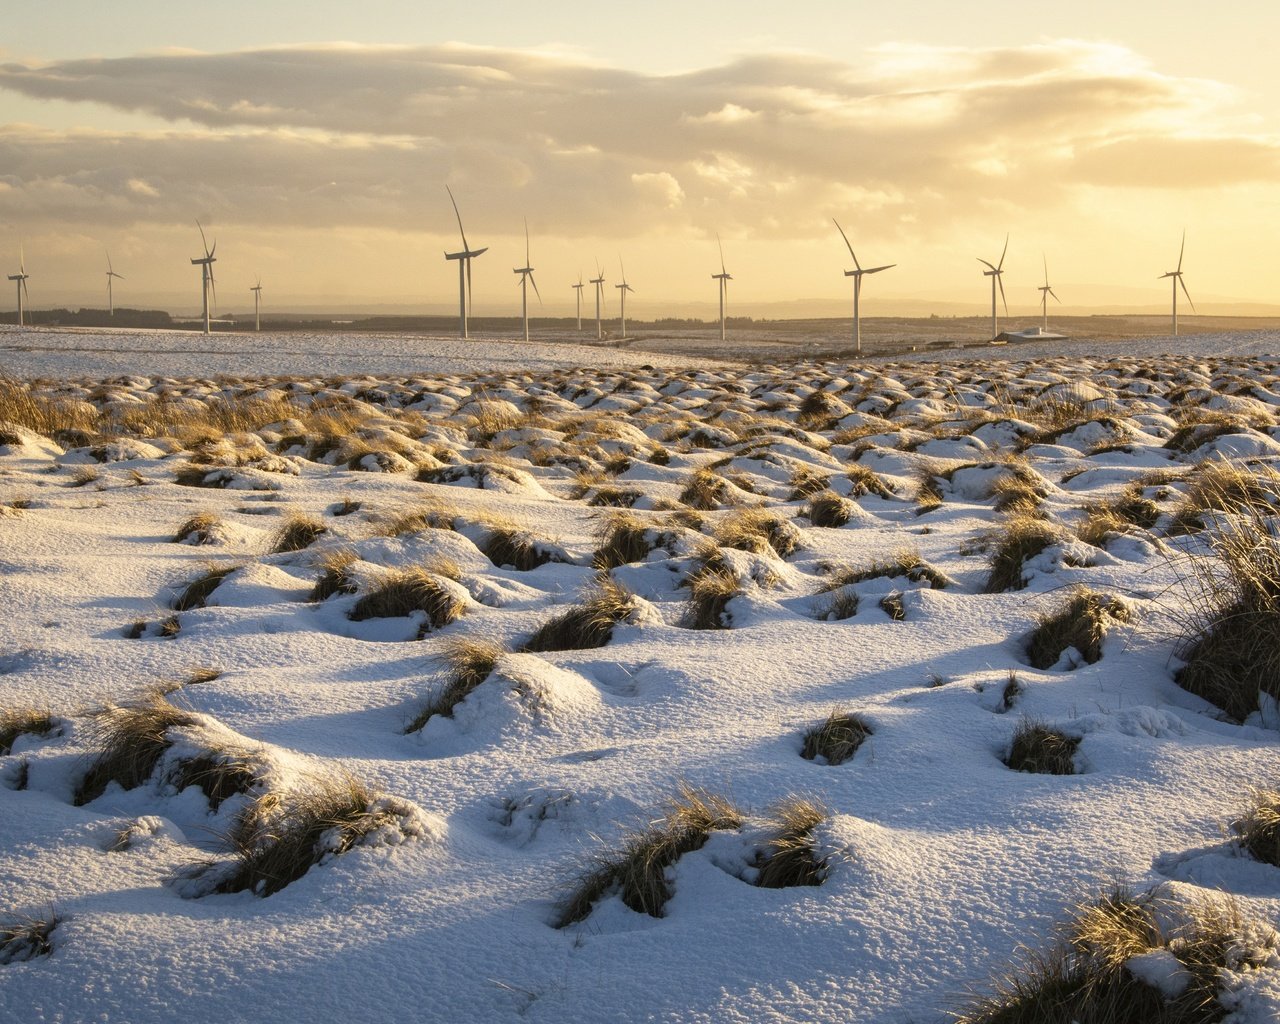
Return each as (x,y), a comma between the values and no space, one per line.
(1092,138)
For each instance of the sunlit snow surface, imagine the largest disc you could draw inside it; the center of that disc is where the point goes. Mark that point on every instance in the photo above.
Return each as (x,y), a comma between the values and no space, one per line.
(942,861)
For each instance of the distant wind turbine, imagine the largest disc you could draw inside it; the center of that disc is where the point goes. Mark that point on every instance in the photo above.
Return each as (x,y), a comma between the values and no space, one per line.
(724,278)
(257,298)
(1177,280)
(206,263)
(1045,292)
(996,274)
(20,281)
(526,279)
(857,274)
(598,281)
(622,296)
(111,301)
(464,268)
(578,288)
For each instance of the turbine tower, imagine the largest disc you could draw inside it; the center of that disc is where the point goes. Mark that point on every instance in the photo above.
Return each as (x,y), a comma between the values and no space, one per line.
(995,273)
(1177,280)
(724,277)
(857,274)
(111,302)
(526,279)
(206,263)
(464,268)
(598,281)
(257,298)
(20,282)
(622,296)
(578,288)
(1045,292)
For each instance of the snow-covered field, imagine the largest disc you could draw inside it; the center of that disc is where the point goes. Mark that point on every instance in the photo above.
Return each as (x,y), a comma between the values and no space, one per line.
(937,861)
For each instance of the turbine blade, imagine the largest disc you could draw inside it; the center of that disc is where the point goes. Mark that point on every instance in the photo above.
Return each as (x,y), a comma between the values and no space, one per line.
(721,247)
(1056,299)
(1046,269)
(25,290)
(876,270)
(1000,281)
(1186,293)
(1000,265)
(535,287)
(110,269)
(465,247)
(526,243)
(204,244)
(846,241)
(984,262)
(1183,249)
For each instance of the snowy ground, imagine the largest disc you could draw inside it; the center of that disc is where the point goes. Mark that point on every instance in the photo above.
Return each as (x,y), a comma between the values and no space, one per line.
(940,860)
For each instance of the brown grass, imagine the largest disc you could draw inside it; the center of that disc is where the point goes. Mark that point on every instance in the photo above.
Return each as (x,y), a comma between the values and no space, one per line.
(297,532)
(468,662)
(407,591)
(335,575)
(27,721)
(905,562)
(131,739)
(199,528)
(758,531)
(1259,827)
(196,594)
(706,490)
(837,738)
(587,625)
(828,509)
(789,856)
(1021,538)
(1039,749)
(1082,622)
(25,938)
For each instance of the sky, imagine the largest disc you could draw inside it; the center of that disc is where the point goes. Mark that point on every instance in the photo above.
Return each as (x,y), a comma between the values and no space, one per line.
(314,141)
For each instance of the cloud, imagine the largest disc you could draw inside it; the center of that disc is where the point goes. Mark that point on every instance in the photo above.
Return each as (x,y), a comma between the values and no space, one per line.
(774,142)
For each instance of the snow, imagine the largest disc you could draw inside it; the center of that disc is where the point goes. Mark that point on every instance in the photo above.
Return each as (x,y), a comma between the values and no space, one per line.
(941,861)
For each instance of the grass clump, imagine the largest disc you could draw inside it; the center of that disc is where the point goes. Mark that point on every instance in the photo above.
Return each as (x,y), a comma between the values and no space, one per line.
(1041,750)
(297,532)
(758,531)
(1081,622)
(1233,652)
(199,529)
(638,873)
(335,575)
(131,739)
(837,738)
(469,662)
(1022,538)
(25,938)
(710,591)
(508,545)
(24,722)
(706,490)
(279,841)
(1259,827)
(790,855)
(806,482)
(904,563)
(411,590)
(828,509)
(867,481)
(625,538)
(196,594)
(1225,487)
(219,776)
(589,624)
(426,517)
(1096,972)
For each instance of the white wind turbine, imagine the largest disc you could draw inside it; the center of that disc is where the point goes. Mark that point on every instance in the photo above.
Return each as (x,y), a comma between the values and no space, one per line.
(111,301)
(1045,291)
(1177,280)
(20,281)
(578,288)
(622,296)
(464,268)
(598,281)
(526,279)
(857,275)
(257,299)
(206,263)
(724,277)
(996,274)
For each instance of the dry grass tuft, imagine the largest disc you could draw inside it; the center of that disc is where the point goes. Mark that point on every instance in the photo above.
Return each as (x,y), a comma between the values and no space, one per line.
(1081,622)
(43,415)
(639,871)
(196,594)
(199,529)
(790,856)
(1233,652)
(425,517)
(1088,976)
(131,739)
(219,775)
(840,605)
(297,532)
(335,575)
(508,545)
(625,538)
(758,531)
(469,663)
(905,562)
(828,509)
(589,624)
(1037,748)
(1010,692)
(837,739)
(25,938)
(710,591)
(867,481)
(1259,827)
(706,490)
(24,722)
(1226,487)
(407,591)
(1022,538)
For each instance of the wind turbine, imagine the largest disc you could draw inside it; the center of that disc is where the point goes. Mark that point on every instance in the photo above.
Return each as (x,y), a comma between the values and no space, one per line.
(598,281)
(622,296)
(724,278)
(464,268)
(206,263)
(995,273)
(526,279)
(111,302)
(257,298)
(578,288)
(857,274)
(20,282)
(1045,292)
(1177,280)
